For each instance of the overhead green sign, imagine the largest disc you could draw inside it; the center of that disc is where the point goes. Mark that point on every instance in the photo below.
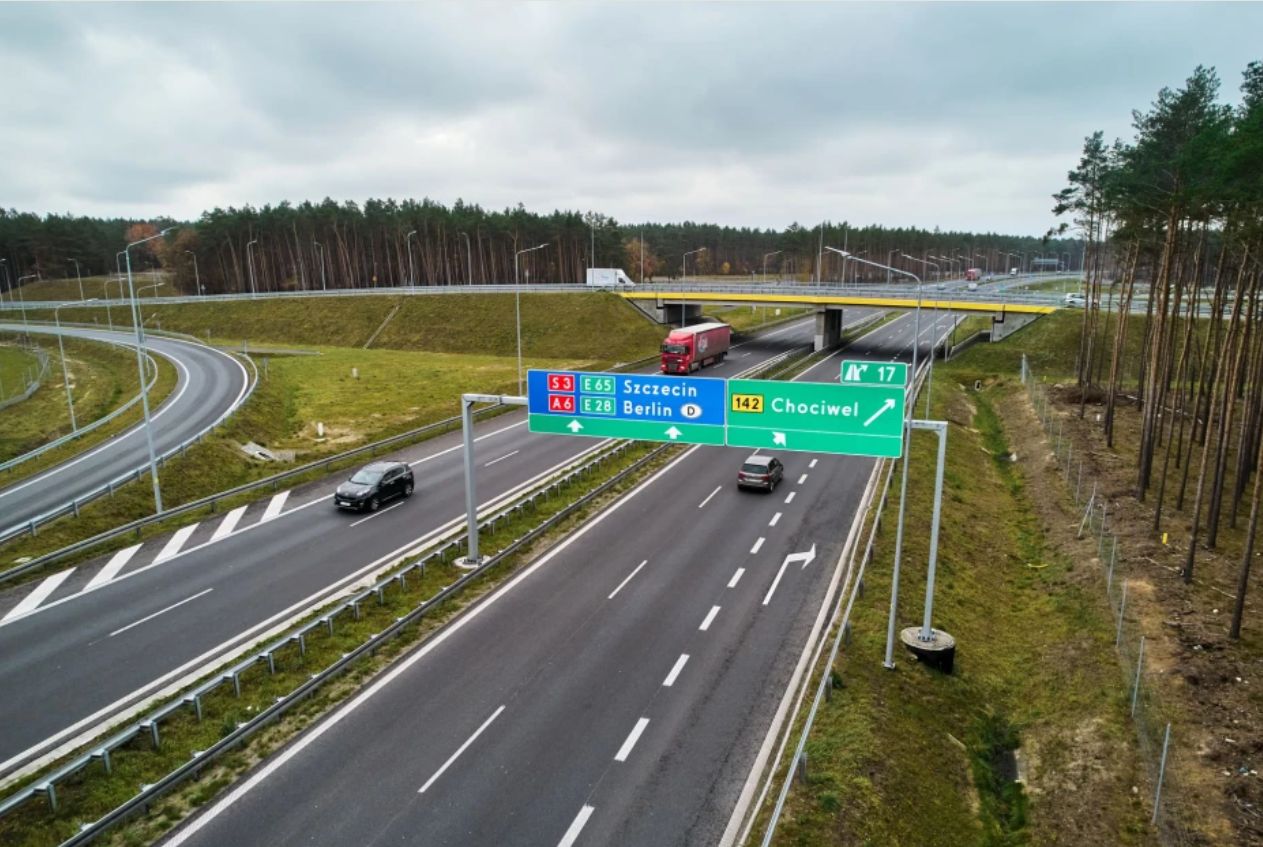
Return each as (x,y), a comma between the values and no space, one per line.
(859,420)
(857,372)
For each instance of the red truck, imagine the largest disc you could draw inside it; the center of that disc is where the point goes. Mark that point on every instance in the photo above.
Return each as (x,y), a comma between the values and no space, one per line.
(692,347)
(973,274)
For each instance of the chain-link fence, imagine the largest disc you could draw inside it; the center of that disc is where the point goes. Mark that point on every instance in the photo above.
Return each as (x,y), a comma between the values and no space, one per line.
(1157,738)
(15,391)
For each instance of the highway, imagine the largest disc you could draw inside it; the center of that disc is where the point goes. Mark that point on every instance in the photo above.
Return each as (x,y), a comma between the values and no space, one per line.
(128,627)
(616,691)
(209,384)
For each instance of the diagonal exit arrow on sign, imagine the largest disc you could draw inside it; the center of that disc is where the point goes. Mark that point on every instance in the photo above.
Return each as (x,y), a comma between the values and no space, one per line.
(889,404)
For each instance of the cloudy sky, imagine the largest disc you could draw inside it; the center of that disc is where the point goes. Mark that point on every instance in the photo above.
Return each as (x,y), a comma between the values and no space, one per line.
(962,116)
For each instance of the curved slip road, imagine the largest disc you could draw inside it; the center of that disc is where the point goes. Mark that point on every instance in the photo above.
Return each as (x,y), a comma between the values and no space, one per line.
(210,384)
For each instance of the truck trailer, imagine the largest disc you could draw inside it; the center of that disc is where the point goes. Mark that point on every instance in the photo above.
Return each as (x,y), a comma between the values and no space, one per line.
(692,347)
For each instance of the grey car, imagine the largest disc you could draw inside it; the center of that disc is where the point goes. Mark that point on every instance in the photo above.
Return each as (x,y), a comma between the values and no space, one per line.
(760,471)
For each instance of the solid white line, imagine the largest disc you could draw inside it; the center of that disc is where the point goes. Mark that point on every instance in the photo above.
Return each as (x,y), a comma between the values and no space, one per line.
(802,479)
(775,519)
(768,597)
(790,497)
(710,616)
(161,612)
(632,738)
(502,458)
(757,546)
(229,523)
(627,580)
(736,577)
(274,507)
(812,464)
(401,667)
(175,543)
(31,601)
(675,671)
(112,567)
(375,514)
(708,496)
(470,740)
(576,827)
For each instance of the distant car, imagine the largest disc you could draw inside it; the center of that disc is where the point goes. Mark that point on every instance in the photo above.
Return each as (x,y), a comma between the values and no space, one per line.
(941,286)
(973,286)
(1076,301)
(758,471)
(373,485)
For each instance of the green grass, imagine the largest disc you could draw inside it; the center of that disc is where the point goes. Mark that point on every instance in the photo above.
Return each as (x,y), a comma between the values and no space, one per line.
(747,318)
(97,286)
(103,377)
(17,367)
(1062,284)
(92,793)
(589,325)
(911,757)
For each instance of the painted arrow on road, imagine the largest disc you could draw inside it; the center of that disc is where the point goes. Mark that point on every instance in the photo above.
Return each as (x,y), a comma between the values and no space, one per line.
(885,407)
(806,558)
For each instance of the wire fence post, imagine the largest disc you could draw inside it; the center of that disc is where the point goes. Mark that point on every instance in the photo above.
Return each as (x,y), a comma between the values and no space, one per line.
(1122,609)
(1140,663)
(1162,770)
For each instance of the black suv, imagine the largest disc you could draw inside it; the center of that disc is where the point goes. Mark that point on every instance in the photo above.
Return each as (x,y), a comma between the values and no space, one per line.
(760,472)
(373,484)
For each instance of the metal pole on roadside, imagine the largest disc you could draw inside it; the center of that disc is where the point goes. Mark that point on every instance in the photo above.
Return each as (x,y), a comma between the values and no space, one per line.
(197,277)
(140,367)
(61,350)
(766,256)
(78,276)
(1162,771)
(1140,664)
(412,271)
(517,308)
(471,499)
(249,264)
(940,427)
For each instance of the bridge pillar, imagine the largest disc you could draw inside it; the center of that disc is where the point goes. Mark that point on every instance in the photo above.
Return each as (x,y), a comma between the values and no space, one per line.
(828,329)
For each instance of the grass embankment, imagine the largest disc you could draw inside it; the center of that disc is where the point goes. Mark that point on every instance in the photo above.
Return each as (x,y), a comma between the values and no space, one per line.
(92,793)
(17,367)
(396,390)
(67,289)
(1063,284)
(102,378)
(917,757)
(589,325)
(748,318)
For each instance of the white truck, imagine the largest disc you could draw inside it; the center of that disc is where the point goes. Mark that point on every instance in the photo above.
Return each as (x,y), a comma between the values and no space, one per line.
(608,277)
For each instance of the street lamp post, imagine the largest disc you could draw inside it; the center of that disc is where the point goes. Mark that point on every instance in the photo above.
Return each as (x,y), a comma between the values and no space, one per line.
(21,299)
(61,349)
(324,285)
(469,260)
(78,275)
(412,272)
(105,293)
(766,256)
(684,273)
(140,367)
(517,308)
(249,265)
(907,438)
(197,277)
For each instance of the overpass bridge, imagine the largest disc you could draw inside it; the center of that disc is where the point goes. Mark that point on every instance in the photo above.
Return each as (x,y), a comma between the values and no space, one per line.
(669,303)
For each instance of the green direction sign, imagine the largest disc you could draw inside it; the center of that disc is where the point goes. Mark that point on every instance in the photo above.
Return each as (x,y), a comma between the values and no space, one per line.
(623,428)
(858,420)
(856,372)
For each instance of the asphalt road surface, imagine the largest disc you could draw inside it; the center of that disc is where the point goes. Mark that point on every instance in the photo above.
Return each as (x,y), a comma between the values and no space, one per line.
(102,639)
(209,383)
(614,692)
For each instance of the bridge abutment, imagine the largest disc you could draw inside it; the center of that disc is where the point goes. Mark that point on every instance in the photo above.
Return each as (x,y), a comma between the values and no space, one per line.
(828,329)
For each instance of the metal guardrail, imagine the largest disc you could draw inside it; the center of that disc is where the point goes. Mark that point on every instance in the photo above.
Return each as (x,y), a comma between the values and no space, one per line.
(842,621)
(192,700)
(84,430)
(148,726)
(32,526)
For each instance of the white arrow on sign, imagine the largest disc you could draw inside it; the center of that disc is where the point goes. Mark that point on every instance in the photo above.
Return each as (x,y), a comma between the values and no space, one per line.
(778,439)
(673,433)
(805,558)
(854,372)
(889,404)
(574,426)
